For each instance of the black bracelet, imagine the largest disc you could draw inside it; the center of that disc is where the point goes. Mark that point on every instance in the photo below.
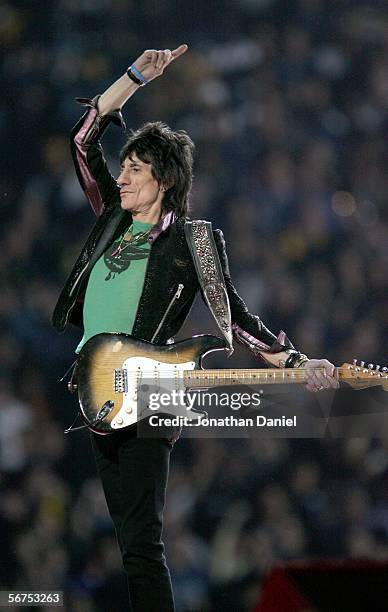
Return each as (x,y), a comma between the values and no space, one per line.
(291,359)
(134,78)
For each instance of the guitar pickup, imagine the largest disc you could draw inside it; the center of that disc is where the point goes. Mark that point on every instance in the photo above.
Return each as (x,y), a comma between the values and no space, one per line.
(120,381)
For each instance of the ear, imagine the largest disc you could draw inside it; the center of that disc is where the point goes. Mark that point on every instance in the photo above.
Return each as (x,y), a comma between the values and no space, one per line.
(166,186)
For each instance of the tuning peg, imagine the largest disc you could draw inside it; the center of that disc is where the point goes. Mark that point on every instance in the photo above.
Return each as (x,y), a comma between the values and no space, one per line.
(377,368)
(370,366)
(362,363)
(354,362)
(384,369)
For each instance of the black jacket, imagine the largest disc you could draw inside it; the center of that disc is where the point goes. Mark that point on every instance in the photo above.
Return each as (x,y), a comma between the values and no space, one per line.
(169,264)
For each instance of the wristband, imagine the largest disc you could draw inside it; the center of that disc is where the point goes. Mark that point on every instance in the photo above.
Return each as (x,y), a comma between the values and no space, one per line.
(296,360)
(136,76)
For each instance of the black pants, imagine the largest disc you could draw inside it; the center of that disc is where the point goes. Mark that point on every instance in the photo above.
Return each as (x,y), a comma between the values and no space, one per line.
(134,474)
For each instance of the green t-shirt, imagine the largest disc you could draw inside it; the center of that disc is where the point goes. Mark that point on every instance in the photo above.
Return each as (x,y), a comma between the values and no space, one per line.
(115,285)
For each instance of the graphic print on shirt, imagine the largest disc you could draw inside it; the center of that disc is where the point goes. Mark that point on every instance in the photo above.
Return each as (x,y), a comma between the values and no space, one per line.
(119,260)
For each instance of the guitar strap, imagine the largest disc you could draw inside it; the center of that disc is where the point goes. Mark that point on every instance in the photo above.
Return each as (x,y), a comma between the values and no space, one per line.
(200,240)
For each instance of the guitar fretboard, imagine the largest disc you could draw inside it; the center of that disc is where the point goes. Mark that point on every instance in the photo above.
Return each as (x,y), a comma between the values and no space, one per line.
(214,378)
(210,378)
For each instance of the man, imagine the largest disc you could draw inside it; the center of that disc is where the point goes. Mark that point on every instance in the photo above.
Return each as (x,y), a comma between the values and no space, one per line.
(124,280)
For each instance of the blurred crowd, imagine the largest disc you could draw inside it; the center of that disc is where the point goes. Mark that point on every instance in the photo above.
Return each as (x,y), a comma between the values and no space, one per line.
(287,104)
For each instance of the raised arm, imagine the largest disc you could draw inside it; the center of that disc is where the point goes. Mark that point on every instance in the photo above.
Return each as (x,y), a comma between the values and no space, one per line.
(95,179)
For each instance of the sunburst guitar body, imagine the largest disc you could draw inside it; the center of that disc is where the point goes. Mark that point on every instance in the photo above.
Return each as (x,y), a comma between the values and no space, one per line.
(111,367)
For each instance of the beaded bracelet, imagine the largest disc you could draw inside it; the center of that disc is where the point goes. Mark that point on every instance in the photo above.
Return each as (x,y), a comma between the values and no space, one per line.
(299,363)
(296,360)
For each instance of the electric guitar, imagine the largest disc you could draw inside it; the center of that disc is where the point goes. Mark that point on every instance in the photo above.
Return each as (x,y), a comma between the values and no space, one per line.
(112,367)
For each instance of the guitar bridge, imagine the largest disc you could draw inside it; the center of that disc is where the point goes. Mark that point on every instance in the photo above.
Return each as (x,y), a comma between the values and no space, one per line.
(120,381)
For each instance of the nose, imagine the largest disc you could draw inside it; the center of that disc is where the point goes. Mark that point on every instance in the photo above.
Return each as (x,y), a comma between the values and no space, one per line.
(123,179)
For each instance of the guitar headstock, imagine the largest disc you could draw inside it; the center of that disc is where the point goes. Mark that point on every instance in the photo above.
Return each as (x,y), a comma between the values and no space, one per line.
(360,376)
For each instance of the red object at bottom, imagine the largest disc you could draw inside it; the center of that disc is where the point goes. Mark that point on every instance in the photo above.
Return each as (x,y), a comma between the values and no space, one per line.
(280,594)
(338,585)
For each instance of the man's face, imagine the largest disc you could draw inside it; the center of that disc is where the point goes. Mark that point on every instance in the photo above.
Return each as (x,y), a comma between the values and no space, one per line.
(140,192)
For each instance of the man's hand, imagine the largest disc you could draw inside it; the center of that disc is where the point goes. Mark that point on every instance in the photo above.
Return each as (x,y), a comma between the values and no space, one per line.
(152,63)
(320,375)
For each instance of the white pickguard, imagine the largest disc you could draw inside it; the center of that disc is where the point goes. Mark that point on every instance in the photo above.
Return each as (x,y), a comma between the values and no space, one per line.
(164,378)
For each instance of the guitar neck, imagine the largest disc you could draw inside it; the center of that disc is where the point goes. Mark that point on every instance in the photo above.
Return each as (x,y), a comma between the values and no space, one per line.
(264,376)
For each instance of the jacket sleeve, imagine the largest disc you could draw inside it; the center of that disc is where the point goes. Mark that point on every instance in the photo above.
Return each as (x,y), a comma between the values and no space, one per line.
(93,174)
(248,330)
